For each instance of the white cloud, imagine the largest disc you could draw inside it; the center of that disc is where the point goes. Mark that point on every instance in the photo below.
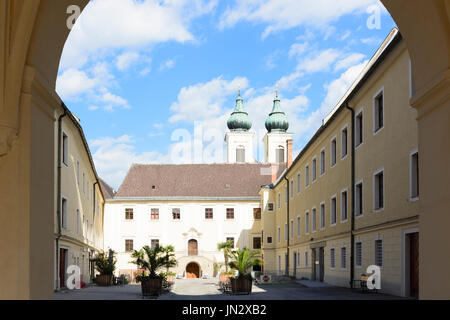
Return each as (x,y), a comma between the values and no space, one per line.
(319,61)
(116,24)
(74,82)
(372,41)
(169,64)
(351,60)
(93,108)
(297,49)
(111,100)
(125,60)
(285,14)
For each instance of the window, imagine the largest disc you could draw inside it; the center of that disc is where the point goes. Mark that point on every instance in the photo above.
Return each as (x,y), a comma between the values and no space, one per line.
(415,175)
(291,231)
(279,201)
(307,176)
(208,213)
(270,206)
(344,208)
(285,231)
(379,191)
(286,190)
(298,226)
(230,213)
(65,149)
(269,240)
(176,214)
(292,189)
(78,172)
(128,214)
(280,154)
(240,154)
(344,144)
(358,250)
(306,259)
(343,257)
(333,210)
(64,213)
(322,216)
(154,243)
(78,221)
(230,239)
(128,245)
(314,170)
(279,264)
(359,129)
(322,162)
(332,259)
(298,183)
(279,235)
(379,253)
(333,152)
(314,219)
(84,184)
(307,222)
(155,214)
(359,199)
(257,213)
(378,111)
(256,242)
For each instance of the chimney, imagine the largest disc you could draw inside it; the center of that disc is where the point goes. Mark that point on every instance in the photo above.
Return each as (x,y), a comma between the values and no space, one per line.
(289,153)
(274,168)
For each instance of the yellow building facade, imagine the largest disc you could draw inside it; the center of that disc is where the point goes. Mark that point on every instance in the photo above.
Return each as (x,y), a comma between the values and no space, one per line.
(79,202)
(307,214)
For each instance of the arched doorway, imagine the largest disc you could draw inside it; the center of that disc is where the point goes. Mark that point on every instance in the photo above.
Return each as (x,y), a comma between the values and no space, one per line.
(193,271)
(192,247)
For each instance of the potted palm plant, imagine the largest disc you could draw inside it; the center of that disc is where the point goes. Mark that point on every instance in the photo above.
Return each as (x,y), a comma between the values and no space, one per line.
(169,252)
(105,265)
(242,261)
(151,260)
(226,247)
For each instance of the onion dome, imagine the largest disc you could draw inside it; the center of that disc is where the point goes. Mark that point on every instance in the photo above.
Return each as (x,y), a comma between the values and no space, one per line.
(239,119)
(277,120)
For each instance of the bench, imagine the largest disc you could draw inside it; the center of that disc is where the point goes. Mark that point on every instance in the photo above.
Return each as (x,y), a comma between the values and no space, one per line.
(361,284)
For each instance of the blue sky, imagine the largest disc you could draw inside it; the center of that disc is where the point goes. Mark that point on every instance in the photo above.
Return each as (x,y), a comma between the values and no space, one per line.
(151,79)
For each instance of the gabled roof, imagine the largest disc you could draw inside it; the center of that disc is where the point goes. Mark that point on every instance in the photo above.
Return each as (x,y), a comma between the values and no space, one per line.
(232,181)
(107,190)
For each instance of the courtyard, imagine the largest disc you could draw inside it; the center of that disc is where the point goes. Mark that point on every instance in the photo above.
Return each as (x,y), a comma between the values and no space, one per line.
(208,289)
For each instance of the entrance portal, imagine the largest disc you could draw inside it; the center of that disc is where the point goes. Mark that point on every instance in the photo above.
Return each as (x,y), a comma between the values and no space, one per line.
(192,271)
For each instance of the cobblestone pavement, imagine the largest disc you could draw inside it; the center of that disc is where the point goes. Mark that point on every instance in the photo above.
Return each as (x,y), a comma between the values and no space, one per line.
(208,289)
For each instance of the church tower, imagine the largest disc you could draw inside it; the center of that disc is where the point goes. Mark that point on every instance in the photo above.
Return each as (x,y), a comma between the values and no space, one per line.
(277,137)
(239,140)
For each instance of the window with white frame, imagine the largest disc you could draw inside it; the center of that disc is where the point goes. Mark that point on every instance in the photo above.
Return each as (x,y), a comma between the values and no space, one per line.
(358,254)
(78,172)
(307,176)
(298,226)
(291,231)
(279,264)
(379,252)
(344,207)
(322,162)
(298,183)
(292,189)
(344,143)
(343,257)
(279,234)
(314,170)
(359,129)
(279,200)
(307,222)
(314,220)
(286,190)
(378,106)
(78,221)
(280,154)
(64,213)
(359,199)
(322,216)
(333,152)
(414,175)
(332,258)
(65,149)
(379,190)
(333,210)
(285,231)
(306,259)
(270,206)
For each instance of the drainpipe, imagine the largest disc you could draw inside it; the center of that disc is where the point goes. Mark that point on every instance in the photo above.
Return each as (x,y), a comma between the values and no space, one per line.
(352,216)
(287,224)
(58,205)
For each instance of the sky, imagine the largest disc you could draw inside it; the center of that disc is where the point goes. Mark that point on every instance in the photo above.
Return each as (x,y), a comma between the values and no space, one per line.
(155,81)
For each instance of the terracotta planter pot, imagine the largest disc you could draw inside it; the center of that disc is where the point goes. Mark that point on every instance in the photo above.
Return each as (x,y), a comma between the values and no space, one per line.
(104,280)
(225,277)
(170,278)
(151,287)
(241,285)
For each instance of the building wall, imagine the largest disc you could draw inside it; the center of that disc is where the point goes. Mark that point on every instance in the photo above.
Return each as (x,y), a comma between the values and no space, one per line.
(388,149)
(82,235)
(192,225)
(236,139)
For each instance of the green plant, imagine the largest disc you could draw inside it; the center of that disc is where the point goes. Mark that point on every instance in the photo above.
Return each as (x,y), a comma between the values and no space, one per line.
(151,260)
(243,260)
(106,264)
(169,252)
(226,247)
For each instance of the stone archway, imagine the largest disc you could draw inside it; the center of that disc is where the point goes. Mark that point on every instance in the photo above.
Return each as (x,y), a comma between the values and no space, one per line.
(193,270)
(32,36)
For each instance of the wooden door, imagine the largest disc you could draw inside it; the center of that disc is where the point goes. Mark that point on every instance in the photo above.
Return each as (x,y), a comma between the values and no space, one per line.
(192,271)
(321,264)
(414,264)
(62,267)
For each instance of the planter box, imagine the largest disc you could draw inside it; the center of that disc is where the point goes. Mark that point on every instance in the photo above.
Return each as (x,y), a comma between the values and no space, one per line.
(241,286)
(151,287)
(104,280)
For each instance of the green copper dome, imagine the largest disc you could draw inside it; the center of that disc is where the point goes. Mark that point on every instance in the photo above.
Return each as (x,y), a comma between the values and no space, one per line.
(239,119)
(277,120)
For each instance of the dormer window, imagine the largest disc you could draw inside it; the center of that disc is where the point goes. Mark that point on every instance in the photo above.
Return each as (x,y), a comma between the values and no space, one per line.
(153,187)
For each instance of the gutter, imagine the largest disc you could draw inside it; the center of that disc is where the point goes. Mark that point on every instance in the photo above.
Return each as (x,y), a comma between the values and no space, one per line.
(352,216)
(59,204)
(287,224)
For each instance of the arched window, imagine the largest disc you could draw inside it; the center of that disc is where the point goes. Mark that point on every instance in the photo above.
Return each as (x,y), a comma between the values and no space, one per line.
(240,154)
(192,247)
(279,154)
